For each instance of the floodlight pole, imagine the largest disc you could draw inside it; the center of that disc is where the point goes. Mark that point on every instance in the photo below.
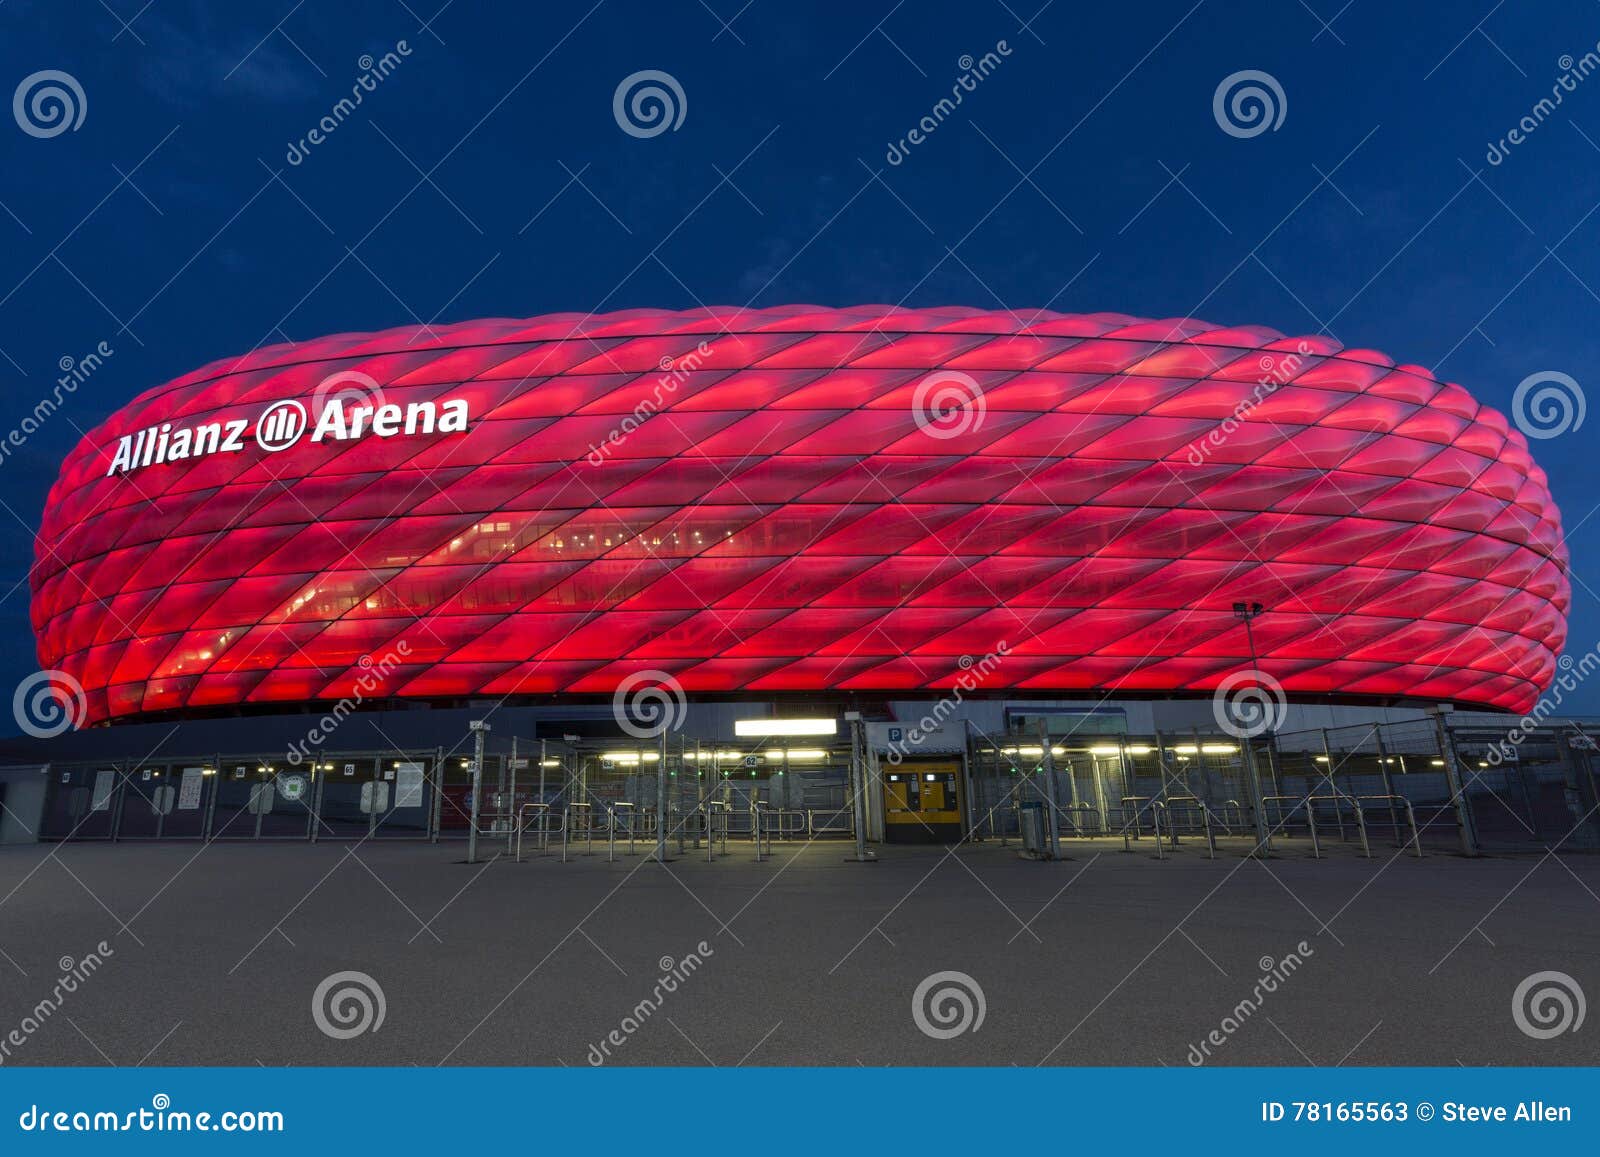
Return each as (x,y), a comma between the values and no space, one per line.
(1248,612)
(479,729)
(661,801)
(858,784)
(1048,766)
(511,812)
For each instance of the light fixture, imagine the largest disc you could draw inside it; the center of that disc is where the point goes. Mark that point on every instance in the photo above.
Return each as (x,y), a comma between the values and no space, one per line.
(1218,749)
(1436,762)
(1104,750)
(800,753)
(764,728)
(1320,758)
(1187,749)
(549,763)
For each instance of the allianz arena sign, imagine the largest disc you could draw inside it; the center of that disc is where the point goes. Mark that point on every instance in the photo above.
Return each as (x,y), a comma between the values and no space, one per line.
(282,424)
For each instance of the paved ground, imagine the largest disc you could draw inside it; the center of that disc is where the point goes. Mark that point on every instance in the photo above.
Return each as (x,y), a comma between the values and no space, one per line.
(1107,958)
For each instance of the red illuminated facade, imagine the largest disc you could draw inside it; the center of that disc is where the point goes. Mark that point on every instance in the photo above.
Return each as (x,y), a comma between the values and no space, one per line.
(798,500)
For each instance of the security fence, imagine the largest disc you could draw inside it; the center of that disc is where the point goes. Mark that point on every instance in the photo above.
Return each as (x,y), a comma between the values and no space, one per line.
(1415,785)
(591,786)
(1464,787)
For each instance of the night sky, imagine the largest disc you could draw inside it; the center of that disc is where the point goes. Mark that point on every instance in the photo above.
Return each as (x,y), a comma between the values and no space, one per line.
(486,175)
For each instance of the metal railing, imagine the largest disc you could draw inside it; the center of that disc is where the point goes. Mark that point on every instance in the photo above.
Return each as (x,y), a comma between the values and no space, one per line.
(715,815)
(1156,809)
(1191,804)
(611,828)
(543,813)
(1411,818)
(1340,802)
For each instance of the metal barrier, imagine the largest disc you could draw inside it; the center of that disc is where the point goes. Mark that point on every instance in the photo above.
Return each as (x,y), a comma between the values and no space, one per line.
(1138,812)
(786,823)
(1077,813)
(716,822)
(1411,818)
(611,829)
(586,811)
(1156,809)
(1240,817)
(543,813)
(1340,802)
(1191,804)
(756,807)
(840,824)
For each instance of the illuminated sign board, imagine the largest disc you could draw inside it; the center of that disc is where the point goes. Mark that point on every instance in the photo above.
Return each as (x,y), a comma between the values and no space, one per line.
(283,424)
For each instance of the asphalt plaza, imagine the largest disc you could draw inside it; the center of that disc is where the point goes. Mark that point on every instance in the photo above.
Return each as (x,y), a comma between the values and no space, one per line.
(1106,957)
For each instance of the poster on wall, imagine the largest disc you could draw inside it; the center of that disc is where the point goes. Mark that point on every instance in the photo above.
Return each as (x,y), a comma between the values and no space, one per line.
(104,781)
(408,787)
(189,788)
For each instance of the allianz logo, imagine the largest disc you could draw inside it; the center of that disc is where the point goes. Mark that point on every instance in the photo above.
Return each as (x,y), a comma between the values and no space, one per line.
(282,424)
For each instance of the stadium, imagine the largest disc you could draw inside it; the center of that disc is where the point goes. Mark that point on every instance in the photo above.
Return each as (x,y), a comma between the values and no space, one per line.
(909,575)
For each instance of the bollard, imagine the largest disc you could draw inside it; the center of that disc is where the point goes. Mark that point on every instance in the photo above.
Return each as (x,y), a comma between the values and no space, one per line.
(1311,826)
(1416,835)
(1361,826)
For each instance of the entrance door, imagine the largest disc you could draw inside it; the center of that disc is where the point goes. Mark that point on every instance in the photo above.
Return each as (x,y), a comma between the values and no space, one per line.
(922,803)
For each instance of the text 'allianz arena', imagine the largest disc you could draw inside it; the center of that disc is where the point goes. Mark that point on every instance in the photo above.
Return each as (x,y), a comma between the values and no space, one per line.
(799,500)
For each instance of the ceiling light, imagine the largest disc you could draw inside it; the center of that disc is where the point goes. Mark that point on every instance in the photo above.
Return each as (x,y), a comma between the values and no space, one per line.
(763,728)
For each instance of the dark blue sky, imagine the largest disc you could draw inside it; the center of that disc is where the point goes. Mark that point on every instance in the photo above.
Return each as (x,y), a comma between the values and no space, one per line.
(487,176)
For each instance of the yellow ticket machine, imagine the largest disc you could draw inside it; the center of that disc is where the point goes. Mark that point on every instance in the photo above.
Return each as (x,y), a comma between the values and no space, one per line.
(922,803)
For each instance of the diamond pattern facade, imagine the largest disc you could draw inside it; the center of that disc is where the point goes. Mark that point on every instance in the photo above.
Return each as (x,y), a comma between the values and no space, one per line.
(785,500)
